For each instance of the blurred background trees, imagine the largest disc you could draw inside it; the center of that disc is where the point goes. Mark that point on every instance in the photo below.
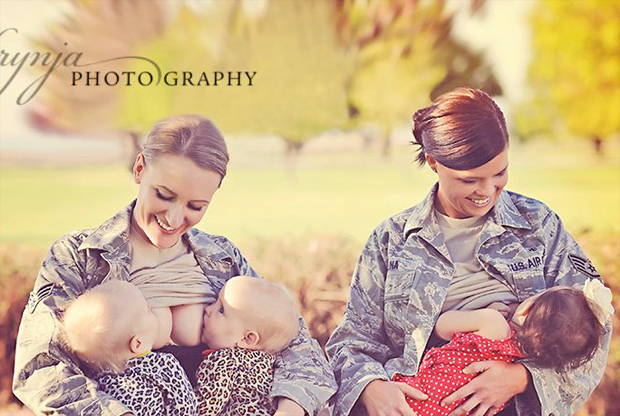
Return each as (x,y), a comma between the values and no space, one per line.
(102,30)
(404,54)
(575,70)
(301,70)
(327,64)
(320,65)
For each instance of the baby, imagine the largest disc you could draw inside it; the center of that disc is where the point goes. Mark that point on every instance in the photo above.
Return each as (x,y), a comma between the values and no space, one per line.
(251,320)
(559,328)
(111,329)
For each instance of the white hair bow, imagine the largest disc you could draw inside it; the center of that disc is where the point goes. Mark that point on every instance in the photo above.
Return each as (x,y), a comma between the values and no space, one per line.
(598,293)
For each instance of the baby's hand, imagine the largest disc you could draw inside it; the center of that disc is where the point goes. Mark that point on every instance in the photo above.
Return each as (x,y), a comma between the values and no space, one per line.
(502,308)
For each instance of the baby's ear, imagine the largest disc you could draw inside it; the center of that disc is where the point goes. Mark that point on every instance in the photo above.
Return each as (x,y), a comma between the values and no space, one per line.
(520,314)
(250,340)
(135,345)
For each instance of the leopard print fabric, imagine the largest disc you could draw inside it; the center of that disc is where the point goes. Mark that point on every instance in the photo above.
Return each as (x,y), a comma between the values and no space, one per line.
(234,382)
(152,385)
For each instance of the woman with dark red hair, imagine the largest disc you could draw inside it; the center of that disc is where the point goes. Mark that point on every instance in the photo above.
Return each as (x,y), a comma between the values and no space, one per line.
(467,245)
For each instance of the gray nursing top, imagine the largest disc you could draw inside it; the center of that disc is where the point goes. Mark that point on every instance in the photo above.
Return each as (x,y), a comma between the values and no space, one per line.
(169,276)
(472,287)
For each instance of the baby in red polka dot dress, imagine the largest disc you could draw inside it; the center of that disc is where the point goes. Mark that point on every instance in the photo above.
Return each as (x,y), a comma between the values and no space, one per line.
(560,328)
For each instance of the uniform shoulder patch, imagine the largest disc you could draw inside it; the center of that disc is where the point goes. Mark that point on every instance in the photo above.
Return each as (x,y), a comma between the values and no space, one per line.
(583,265)
(35,298)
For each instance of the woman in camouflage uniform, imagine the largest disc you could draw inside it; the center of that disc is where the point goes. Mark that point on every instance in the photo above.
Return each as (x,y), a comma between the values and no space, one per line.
(151,243)
(468,244)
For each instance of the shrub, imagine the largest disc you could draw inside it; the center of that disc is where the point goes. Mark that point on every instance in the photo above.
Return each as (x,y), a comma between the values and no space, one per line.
(18,268)
(318,272)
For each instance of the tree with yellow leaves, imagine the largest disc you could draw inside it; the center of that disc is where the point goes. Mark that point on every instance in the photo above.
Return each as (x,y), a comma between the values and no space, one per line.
(575,71)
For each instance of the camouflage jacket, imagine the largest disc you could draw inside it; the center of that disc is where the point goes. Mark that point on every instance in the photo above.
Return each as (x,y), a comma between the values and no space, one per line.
(401,280)
(46,377)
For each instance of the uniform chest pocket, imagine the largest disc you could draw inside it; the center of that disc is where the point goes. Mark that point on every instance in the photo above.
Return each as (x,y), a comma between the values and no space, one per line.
(397,304)
(398,285)
(526,271)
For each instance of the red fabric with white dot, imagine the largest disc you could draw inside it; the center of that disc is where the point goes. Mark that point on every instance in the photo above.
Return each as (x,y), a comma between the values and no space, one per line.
(441,373)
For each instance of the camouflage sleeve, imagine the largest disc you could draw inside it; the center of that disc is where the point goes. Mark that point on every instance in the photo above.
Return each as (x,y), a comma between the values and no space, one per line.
(241,262)
(302,373)
(566,265)
(359,347)
(45,378)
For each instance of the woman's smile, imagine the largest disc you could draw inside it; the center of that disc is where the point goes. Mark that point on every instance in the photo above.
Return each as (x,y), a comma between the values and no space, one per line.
(173,197)
(480,202)
(166,229)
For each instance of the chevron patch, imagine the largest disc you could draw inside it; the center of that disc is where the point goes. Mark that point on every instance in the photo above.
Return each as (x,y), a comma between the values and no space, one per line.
(583,265)
(36,297)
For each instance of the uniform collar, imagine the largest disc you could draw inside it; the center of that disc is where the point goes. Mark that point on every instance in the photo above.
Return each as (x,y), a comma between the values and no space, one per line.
(113,234)
(204,247)
(422,215)
(504,213)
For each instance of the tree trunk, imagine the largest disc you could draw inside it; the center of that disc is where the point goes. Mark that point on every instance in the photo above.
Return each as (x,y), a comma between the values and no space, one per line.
(597,142)
(386,146)
(293,149)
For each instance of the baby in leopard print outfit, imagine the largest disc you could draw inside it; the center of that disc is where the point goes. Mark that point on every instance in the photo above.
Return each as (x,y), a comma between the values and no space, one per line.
(251,321)
(111,329)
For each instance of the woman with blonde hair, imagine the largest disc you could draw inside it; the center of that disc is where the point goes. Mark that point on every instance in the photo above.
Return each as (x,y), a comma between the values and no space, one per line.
(153,244)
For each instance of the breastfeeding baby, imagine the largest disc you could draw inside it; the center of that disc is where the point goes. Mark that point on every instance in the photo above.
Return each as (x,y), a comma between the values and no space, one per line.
(111,329)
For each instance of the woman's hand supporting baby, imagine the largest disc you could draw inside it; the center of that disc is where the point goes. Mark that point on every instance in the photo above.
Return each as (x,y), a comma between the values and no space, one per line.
(497,383)
(386,398)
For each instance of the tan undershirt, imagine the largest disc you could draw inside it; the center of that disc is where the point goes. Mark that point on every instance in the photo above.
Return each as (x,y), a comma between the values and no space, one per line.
(472,287)
(167,277)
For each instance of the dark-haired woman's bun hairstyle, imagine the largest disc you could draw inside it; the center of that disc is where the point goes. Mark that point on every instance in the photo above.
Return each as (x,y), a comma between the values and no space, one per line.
(419,123)
(462,129)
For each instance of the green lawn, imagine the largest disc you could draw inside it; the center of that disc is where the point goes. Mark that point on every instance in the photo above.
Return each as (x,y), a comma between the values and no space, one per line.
(326,193)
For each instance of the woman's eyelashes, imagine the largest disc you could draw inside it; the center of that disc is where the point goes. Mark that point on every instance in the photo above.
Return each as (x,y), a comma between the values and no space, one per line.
(471,181)
(163,197)
(195,208)
(173,198)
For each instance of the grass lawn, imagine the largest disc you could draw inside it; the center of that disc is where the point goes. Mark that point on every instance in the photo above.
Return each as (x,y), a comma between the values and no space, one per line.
(323,194)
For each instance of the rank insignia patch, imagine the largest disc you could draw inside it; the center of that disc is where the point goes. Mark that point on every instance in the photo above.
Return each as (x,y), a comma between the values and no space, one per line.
(36,297)
(583,265)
